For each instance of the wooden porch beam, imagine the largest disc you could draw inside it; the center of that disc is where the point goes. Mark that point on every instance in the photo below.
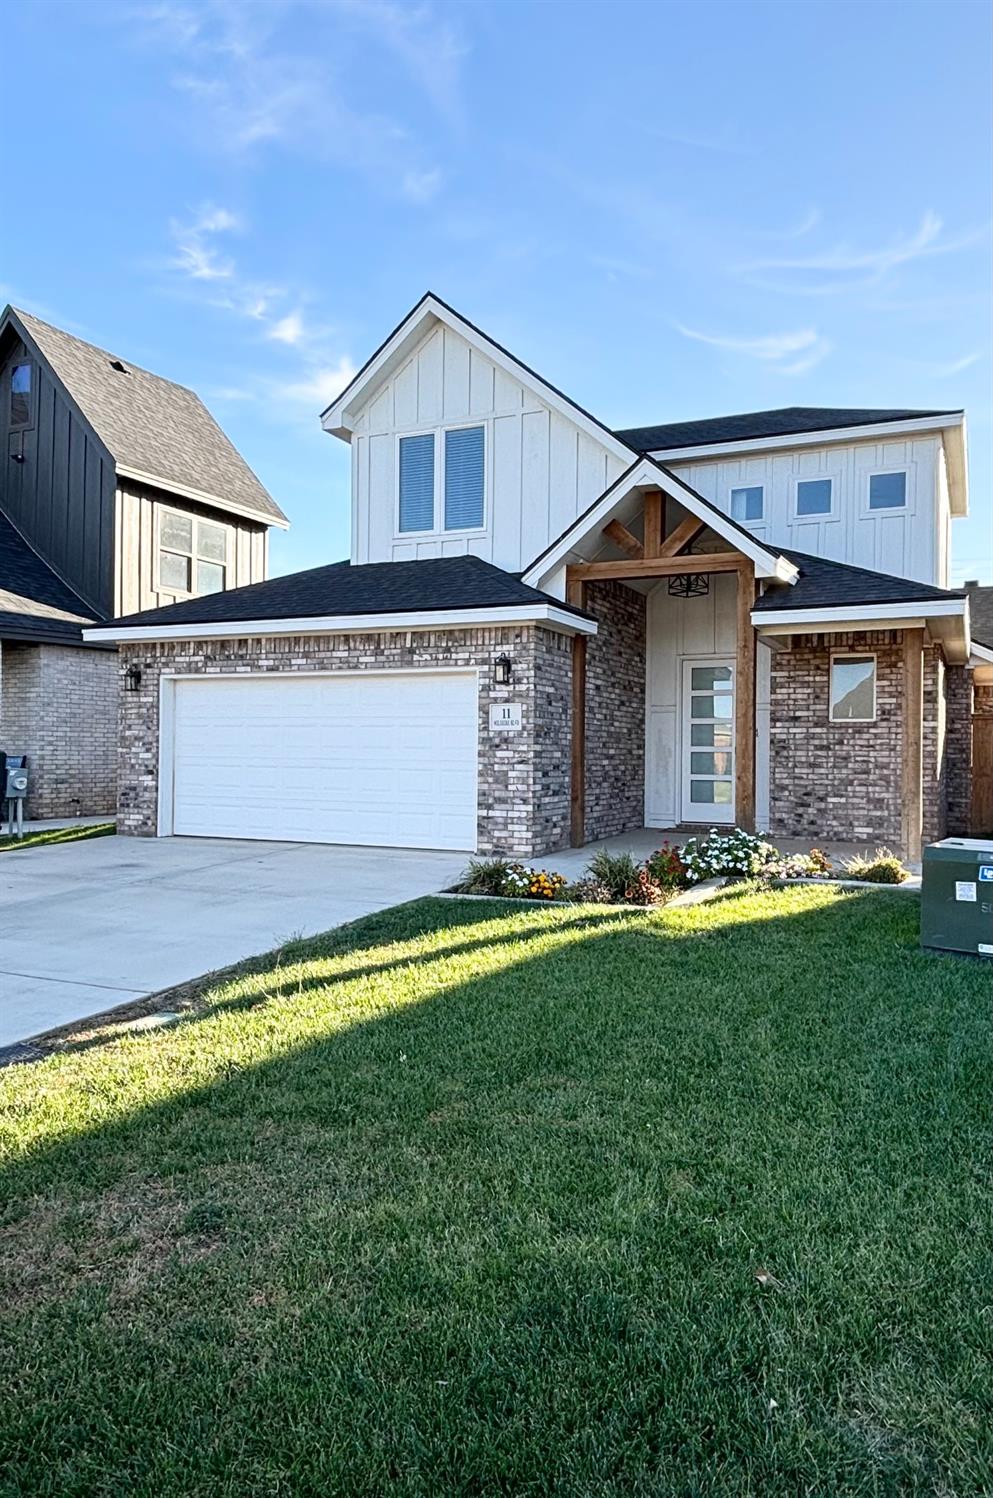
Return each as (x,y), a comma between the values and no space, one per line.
(649,566)
(744,701)
(684,533)
(912,779)
(622,537)
(576,592)
(653,522)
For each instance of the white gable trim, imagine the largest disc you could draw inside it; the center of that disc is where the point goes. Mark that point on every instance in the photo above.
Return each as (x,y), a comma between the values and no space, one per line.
(646,473)
(202,496)
(339,418)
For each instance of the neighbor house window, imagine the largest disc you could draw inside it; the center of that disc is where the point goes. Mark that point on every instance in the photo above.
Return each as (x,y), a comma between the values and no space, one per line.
(192,554)
(813,496)
(747,503)
(887,491)
(853,688)
(20,395)
(417,483)
(464,478)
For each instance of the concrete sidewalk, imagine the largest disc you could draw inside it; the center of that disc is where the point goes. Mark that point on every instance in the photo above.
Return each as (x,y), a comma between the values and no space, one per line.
(92,924)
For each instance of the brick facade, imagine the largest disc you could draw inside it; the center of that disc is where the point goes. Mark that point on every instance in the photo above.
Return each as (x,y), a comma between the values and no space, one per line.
(835,781)
(58,705)
(615,711)
(523,776)
(934,745)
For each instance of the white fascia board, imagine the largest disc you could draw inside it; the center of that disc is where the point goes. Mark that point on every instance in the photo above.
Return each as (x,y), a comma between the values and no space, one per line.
(647,474)
(957,465)
(337,624)
(861,616)
(186,491)
(879,430)
(337,418)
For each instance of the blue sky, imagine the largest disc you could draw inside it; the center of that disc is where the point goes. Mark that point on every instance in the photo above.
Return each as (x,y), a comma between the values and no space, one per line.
(670,210)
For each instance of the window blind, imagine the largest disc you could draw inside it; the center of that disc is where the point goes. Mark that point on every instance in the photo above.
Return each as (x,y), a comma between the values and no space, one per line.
(463,478)
(417,483)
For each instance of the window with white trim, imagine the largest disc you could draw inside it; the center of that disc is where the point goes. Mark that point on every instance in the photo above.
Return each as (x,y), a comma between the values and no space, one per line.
(853,689)
(20,396)
(441,481)
(887,491)
(814,496)
(192,554)
(747,503)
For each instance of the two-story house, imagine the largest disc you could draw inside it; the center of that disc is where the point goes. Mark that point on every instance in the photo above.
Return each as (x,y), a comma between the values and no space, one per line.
(550,631)
(118,492)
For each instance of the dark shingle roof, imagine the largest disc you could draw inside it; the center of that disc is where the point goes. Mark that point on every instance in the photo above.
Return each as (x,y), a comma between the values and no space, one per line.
(149,425)
(465,582)
(35,604)
(784,422)
(981,614)
(824,584)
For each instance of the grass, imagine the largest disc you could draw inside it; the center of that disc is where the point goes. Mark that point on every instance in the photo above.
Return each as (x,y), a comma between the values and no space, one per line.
(474,1199)
(47,837)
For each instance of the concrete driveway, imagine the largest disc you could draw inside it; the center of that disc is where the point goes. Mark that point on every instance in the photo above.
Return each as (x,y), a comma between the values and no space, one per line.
(93,924)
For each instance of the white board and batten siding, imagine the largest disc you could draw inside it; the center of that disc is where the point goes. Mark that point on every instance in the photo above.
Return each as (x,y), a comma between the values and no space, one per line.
(378,759)
(541,469)
(697,630)
(910,542)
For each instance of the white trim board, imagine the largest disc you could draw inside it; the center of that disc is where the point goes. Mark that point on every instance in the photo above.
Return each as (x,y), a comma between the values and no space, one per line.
(336,624)
(861,616)
(186,491)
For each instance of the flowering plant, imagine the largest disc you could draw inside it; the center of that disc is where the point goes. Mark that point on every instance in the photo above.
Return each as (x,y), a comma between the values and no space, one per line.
(532,884)
(666,867)
(724,855)
(812,865)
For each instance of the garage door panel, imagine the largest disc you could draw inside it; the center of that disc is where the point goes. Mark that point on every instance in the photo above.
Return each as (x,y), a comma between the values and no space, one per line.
(384,760)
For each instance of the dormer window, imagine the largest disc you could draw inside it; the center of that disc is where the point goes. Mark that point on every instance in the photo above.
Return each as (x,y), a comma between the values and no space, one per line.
(441,481)
(20,396)
(192,554)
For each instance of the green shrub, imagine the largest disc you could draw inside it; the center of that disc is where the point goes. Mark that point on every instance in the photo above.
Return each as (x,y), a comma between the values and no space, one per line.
(617,872)
(484,876)
(882,868)
(666,867)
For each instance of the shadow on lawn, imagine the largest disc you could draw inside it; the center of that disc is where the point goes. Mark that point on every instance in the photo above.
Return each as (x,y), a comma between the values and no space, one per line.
(503,1238)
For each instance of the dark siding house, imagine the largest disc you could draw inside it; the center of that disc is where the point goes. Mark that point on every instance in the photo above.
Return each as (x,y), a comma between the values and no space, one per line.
(118,491)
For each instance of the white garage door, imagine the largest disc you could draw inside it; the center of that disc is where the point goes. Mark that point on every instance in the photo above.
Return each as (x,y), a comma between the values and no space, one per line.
(383,760)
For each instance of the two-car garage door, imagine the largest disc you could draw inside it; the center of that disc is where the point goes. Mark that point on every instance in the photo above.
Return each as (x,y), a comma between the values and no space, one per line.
(386,760)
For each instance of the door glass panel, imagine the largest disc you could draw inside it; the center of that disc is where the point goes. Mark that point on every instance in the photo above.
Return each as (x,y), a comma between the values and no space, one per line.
(710,792)
(710,679)
(710,736)
(722,792)
(704,763)
(712,707)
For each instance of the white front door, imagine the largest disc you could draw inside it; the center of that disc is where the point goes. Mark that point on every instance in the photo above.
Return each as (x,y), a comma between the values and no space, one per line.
(708,741)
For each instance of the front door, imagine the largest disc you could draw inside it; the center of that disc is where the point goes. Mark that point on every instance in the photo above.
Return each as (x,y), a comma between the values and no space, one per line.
(708,742)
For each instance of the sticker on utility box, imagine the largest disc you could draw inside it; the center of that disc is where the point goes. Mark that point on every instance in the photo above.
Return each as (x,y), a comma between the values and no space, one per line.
(507,716)
(986,873)
(965,889)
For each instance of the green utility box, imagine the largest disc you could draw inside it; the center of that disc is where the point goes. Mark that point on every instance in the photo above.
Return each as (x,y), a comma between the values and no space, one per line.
(957,896)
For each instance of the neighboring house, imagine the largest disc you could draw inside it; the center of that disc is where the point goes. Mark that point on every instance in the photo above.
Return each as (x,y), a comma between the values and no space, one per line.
(549,631)
(118,492)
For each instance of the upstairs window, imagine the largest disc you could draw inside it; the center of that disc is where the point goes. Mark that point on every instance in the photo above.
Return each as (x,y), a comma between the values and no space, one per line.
(853,688)
(417,483)
(747,503)
(813,496)
(464,479)
(20,395)
(887,491)
(192,554)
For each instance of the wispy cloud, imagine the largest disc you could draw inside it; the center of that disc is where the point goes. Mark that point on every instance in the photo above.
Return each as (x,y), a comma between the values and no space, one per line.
(956,366)
(251,91)
(847,265)
(790,353)
(196,255)
(288,329)
(321,383)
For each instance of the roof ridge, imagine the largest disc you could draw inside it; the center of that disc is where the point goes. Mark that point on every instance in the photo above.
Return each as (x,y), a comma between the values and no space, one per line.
(111,354)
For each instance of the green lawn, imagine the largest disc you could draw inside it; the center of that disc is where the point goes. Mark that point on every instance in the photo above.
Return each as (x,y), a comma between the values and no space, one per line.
(47,836)
(475,1199)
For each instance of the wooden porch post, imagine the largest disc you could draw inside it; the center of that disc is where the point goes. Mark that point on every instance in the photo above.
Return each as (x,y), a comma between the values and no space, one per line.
(744,701)
(576,592)
(913,704)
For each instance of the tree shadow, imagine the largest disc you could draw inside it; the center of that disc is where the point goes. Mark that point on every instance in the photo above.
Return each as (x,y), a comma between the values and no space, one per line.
(493,1227)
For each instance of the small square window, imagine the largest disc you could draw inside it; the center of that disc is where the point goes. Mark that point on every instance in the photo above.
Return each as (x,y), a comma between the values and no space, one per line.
(747,503)
(853,689)
(20,395)
(813,496)
(887,491)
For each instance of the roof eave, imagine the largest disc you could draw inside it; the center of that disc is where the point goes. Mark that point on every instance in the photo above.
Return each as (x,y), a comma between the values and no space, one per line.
(202,496)
(946,619)
(950,422)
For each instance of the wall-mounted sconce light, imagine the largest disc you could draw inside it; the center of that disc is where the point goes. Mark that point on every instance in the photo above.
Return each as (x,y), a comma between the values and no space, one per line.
(132,678)
(502,671)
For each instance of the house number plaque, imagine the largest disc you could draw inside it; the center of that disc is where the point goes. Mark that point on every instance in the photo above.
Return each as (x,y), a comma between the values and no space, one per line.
(506,716)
